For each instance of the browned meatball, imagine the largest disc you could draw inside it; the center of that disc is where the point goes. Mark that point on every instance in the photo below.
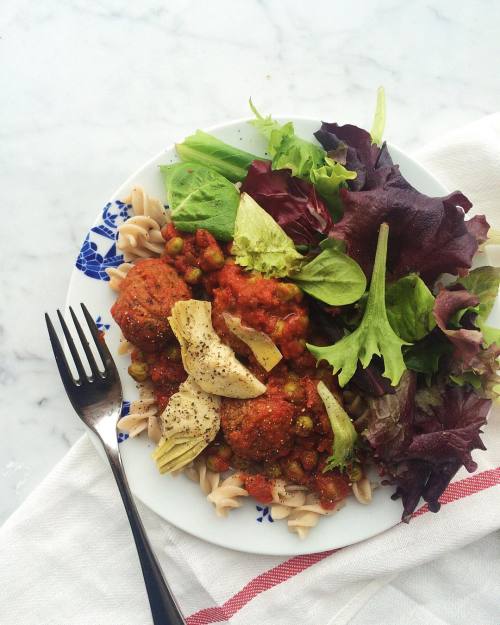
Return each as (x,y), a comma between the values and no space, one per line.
(146,298)
(258,429)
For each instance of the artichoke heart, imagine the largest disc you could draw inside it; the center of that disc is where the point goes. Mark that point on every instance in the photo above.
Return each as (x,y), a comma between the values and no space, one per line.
(265,351)
(190,422)
(211,364)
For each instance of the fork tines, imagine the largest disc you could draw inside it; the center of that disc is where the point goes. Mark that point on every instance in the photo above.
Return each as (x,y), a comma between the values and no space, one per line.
(61,359)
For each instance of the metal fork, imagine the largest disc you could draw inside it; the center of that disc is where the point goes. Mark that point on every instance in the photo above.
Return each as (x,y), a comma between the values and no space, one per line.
(98,400)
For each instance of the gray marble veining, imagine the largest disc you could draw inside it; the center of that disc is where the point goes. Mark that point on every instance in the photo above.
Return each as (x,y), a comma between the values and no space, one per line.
(90,90)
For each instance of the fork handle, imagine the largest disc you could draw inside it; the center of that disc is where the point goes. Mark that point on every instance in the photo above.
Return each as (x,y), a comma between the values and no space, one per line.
(164,607)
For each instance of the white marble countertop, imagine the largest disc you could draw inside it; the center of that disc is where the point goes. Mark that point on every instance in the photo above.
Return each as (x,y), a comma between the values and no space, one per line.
(90,90)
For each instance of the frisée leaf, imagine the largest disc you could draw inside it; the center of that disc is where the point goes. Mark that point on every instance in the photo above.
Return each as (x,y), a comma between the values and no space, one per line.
(374,335)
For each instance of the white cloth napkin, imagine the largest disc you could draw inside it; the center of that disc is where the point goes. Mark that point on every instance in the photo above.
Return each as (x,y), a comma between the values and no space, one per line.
(67,556)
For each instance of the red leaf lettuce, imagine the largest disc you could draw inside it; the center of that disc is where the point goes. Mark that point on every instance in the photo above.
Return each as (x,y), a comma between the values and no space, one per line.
(466,342)
(292,202)
(422,451)
(428,235)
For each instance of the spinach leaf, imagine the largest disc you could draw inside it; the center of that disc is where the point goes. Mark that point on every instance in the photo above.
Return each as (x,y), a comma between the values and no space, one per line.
(374,336)
(204,149)
(424,356)
(201,198)
(409,308)
(333,278)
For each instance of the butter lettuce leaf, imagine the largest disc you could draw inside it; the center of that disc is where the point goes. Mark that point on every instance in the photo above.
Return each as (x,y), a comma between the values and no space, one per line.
(374,335)
(409,308)
(200,197)
(332,277)
(204,149)
(260,243)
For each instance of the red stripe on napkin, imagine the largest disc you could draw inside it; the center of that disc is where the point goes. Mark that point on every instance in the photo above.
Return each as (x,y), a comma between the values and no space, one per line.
(288,569)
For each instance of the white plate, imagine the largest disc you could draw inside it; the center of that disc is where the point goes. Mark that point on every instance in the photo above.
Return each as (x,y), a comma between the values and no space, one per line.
(179,500)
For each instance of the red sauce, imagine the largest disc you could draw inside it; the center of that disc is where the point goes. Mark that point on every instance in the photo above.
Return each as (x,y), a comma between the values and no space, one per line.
(271,306)
(259,487)
(199,250)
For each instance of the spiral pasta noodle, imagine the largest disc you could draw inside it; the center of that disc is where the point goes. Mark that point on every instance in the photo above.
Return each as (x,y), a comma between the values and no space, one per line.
(302,519)
(226,495)
(142,416)
(286,497)
(199,472)
(118,274)
(125,346)
(363,491)
(355,406)
(140,236)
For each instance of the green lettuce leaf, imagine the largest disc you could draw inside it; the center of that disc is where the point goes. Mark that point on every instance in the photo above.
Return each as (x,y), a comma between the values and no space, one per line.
(199,197)
(291,152)
(332,277)
(424,356)
(344,433)
(265,125)
(328,179)
(260,243)
(374,336)
(483,282)
(203,149)
(286,149)
(378,125)
(409,308)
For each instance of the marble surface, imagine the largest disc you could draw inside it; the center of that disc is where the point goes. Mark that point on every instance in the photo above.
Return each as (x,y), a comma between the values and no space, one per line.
(91,89)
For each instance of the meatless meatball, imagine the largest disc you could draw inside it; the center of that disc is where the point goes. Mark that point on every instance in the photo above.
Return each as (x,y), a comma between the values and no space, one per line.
(146,298)
(258,429)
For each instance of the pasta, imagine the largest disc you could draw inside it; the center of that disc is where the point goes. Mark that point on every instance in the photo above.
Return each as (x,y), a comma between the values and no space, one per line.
(117,274)
(301,520)
(286,497)
(355,406)
(225,495)
(362,490)
(140,236)
(143,415)
(125,346)
(198,472)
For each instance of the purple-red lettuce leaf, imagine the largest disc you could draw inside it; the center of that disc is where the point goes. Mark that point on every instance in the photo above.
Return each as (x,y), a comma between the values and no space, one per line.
(293,203)
(428,236)
(354,146)
(438,448)
(390,421)
(466,342)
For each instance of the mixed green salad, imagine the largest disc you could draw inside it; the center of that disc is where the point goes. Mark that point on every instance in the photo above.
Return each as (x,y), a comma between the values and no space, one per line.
(387,272)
